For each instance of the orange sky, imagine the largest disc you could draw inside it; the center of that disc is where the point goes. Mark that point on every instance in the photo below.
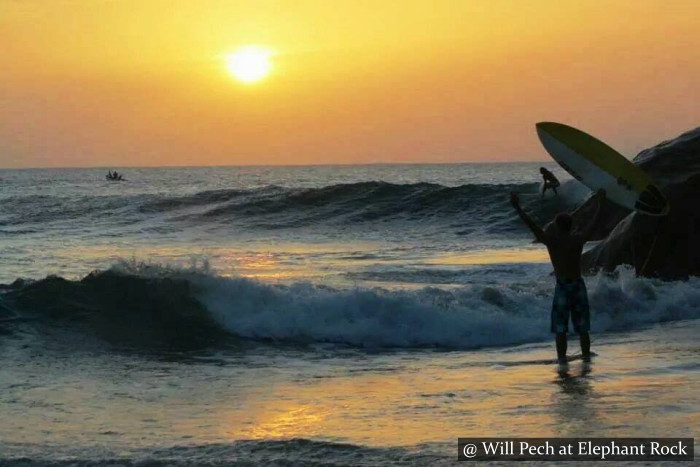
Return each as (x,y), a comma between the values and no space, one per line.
(143,82)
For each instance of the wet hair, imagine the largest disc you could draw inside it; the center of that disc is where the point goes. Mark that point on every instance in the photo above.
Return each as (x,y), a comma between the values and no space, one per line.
(563,222)
(542,170)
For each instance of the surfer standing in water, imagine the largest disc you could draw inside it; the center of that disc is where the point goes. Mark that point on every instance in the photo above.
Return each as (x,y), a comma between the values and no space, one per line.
(570,295)
(550,181)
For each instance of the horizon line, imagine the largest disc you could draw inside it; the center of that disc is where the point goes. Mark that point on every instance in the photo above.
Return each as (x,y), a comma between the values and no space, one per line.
(270,165)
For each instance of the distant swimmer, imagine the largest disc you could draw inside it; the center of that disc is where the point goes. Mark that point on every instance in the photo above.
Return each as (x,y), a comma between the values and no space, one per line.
(570,295)
(550,181)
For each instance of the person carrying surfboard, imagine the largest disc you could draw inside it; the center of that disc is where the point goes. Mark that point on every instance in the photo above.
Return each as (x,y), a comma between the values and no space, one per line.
(570,296)
(550,181)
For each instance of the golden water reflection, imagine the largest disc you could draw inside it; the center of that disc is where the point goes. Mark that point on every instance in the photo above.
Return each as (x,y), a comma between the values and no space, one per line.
(387,398)
(326,262)
(492,256)
(404,407)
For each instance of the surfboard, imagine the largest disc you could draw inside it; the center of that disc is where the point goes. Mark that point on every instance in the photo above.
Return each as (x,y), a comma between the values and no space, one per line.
(597,165)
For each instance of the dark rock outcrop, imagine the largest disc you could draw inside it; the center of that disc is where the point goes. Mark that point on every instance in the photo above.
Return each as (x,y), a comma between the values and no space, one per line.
(663,247)
(666,247)
(610,216)
(672,161)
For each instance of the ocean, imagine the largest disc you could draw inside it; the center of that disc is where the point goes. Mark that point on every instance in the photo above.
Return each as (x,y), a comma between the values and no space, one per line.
(320,315)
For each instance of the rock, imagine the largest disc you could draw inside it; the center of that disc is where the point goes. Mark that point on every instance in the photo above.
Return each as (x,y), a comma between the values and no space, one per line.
(610,215)
(668,247)
(672,161)
(666,163)
(675,239)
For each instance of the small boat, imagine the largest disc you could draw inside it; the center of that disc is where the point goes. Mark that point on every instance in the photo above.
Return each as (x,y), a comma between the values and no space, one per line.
(114,176)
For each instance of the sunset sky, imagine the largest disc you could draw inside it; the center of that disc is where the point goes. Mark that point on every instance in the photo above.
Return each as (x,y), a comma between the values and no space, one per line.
(147,82)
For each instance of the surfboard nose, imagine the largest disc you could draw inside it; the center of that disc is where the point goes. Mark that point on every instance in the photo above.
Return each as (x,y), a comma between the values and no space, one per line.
(541,126)
(555,129)
(544,130)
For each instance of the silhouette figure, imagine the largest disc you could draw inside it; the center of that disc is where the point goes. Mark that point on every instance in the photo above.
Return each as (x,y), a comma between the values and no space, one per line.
(570,295)
(550,181)
(114,176)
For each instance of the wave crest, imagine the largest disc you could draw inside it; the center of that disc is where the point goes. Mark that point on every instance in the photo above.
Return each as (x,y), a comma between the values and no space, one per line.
(471,207)
(160,306)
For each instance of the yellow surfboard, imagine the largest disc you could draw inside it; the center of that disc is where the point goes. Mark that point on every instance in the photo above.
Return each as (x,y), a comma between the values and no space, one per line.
(597,165)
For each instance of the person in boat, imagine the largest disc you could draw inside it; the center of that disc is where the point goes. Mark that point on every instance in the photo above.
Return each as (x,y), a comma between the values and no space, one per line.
(550,181)
(114,176)
(570,295)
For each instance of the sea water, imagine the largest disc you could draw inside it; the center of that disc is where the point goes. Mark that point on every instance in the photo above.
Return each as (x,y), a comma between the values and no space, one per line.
(335,314)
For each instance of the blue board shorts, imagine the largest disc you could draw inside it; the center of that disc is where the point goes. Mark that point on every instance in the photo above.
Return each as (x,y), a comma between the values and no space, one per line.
(570,297)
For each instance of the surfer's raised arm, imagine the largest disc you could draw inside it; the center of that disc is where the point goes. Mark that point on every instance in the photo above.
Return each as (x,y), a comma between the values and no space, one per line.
(587,232)
(536,229)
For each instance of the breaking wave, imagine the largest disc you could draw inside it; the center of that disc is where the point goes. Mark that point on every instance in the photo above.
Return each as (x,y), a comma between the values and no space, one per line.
(275,207)
(151,305)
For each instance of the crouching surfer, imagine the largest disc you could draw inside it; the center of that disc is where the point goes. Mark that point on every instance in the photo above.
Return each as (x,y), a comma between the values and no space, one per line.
(550,181)
(570,296)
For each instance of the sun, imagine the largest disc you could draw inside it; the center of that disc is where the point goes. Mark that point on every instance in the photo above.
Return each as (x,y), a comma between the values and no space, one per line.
(249,64)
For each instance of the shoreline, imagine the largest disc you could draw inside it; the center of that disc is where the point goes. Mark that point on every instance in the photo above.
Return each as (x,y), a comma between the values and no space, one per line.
(403,405)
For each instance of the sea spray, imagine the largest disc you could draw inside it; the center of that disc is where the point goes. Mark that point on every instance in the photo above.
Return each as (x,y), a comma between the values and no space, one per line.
(460,318)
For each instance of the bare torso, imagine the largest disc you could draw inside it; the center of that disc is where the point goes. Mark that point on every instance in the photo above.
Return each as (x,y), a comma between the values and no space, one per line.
(565,255)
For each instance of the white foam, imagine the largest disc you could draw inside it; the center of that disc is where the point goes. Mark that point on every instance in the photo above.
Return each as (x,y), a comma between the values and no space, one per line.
(461,318)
